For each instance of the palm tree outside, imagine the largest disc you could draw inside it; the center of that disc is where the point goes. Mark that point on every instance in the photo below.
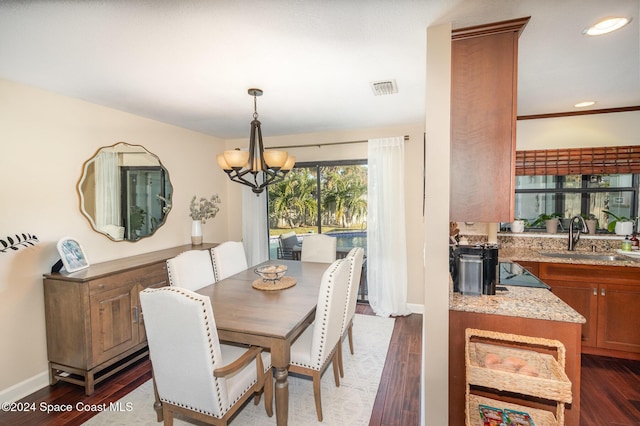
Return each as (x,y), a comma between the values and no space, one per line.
(293,202)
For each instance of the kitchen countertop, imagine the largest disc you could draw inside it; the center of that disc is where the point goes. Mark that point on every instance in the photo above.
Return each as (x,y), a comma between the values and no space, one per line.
(528,302)
(524,302)
(535,255)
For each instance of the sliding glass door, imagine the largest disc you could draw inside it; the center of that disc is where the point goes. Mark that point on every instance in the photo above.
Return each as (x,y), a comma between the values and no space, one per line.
(327,197)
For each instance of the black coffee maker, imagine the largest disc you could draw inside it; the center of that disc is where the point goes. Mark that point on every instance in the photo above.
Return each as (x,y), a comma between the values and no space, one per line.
(474,269)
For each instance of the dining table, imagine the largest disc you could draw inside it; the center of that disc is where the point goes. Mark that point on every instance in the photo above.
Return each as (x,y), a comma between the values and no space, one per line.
(271,319)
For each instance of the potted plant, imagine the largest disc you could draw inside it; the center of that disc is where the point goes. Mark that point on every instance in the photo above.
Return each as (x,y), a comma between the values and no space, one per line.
(620,225)
(551,221)
(592,222)
(200,211)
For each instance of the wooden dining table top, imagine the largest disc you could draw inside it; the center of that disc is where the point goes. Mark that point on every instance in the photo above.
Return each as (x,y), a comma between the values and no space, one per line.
(241,309)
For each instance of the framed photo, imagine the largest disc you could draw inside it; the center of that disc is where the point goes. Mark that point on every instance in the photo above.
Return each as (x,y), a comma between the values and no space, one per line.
(71,253)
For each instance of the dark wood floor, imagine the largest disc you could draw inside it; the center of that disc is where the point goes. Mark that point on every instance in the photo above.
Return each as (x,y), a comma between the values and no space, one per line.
(610,391)
(610,388)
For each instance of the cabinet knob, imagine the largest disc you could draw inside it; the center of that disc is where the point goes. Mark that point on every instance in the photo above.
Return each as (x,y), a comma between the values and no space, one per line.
(101,286)
(595,291)
(602,292)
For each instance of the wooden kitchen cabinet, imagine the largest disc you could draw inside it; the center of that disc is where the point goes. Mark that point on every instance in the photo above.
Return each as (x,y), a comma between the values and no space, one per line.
(93,318)
(619,317)
(484,63)
(609,299)
(580,297)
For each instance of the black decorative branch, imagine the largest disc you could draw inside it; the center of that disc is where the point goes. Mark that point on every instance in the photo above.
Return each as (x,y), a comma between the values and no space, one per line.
(17,241)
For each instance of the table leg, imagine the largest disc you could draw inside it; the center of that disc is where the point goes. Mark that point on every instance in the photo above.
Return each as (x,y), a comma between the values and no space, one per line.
(282,396)
(280,357)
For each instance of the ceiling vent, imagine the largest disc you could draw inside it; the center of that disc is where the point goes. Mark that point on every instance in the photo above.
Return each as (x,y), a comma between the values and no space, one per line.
(384,87)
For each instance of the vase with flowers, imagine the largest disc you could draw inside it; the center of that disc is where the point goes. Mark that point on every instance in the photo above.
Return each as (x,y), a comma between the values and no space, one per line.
(201,210)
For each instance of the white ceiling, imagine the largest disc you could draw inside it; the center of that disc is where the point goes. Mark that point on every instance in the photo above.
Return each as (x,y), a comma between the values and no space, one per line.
(190,62)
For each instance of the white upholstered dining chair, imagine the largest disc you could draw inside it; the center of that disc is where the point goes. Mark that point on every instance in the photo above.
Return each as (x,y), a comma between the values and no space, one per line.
(191,269)
(228,259)
(318,248)
(194,374)
(316,347)
(357,253)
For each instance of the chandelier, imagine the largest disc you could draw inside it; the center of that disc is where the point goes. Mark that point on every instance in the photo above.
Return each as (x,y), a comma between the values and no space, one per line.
(256,167)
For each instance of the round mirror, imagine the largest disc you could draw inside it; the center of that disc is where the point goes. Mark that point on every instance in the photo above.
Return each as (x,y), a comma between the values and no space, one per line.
(125,192)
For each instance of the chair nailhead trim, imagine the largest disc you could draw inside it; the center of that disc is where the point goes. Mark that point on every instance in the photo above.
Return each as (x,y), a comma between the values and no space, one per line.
(181,291)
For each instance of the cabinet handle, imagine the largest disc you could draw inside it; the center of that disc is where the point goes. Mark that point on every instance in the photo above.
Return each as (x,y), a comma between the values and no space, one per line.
(135,314)
(602,292)
(595,291)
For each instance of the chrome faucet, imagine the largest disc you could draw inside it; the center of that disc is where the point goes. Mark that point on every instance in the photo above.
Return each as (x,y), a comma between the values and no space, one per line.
(574,238)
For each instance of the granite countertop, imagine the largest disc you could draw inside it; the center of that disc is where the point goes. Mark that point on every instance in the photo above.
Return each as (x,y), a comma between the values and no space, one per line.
(535,255)
(523,302)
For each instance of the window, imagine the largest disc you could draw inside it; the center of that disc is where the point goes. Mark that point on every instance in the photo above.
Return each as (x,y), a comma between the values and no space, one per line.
(323,197)
(572,195)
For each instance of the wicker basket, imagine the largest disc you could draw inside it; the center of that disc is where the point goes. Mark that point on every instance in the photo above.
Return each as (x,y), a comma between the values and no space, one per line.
(540,417)
(551,383)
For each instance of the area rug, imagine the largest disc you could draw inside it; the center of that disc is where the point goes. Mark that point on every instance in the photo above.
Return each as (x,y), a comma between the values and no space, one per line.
(350,404)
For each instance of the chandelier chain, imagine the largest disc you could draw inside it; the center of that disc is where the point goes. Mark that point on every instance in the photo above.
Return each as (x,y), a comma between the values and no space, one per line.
(255,106)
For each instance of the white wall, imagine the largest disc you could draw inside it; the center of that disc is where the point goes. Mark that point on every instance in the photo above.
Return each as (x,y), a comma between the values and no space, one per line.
(612,129)
(435,334)
(45,139)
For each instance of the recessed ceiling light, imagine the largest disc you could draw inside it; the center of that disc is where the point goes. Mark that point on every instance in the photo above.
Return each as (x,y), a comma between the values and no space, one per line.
(584,104)
(606,26)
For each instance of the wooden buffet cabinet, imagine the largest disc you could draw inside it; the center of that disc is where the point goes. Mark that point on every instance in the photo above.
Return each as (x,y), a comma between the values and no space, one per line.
(484,68)
(94,324)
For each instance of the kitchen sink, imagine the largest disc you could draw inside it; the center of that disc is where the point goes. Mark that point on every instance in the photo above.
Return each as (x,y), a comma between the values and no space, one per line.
(585,256)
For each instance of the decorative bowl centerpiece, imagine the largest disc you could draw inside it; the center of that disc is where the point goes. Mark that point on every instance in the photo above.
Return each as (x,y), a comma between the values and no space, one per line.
(271,272)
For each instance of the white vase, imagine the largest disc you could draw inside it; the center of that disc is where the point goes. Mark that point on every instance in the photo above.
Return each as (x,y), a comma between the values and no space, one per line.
(196,232)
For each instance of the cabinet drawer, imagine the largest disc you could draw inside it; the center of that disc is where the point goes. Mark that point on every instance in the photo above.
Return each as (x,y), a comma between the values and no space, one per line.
(590,273)
(156,278)
(146,276)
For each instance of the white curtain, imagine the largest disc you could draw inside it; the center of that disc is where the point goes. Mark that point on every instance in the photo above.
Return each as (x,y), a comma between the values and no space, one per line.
(255,233)
(386,240)
(107,175)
